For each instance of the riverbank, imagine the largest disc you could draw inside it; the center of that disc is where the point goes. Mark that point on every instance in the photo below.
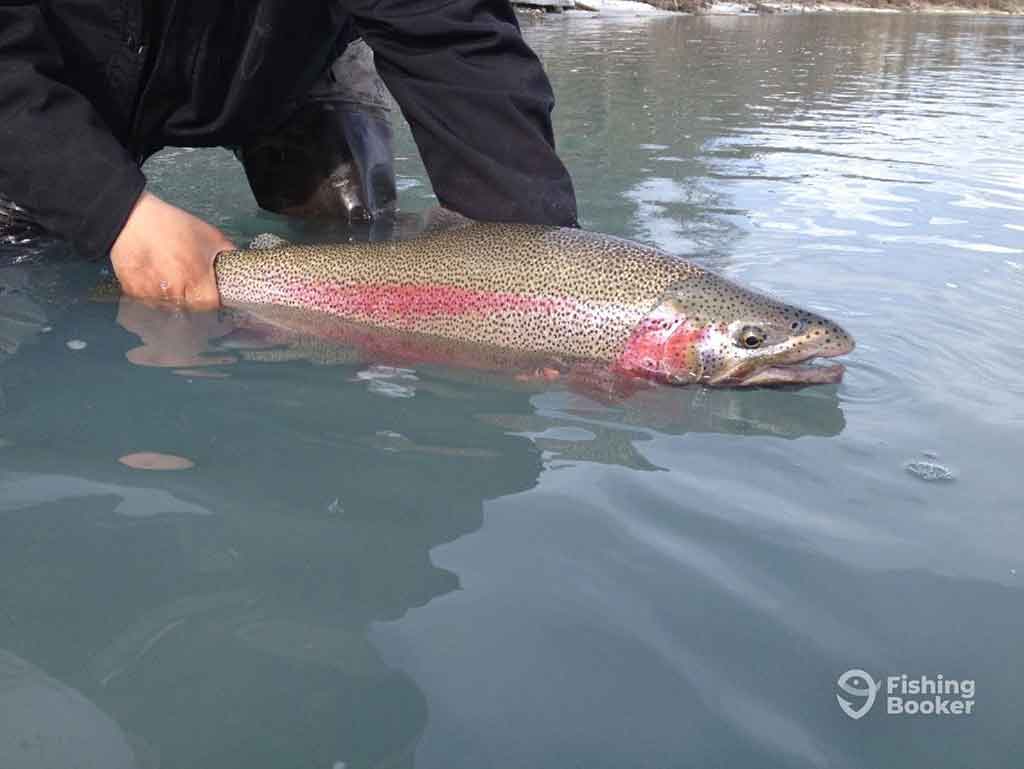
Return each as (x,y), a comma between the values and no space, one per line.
(1008,7)
(731,7)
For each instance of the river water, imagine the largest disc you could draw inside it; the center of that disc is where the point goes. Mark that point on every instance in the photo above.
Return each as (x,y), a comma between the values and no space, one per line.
(376,567)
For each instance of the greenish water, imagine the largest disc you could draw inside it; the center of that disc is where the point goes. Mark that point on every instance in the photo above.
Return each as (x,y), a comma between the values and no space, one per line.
(371,567)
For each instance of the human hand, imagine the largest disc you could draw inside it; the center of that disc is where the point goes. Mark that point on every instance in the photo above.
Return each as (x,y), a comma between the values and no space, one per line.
(167,254)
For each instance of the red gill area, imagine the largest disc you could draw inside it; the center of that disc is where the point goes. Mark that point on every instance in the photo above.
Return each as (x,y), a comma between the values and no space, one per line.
(662,347)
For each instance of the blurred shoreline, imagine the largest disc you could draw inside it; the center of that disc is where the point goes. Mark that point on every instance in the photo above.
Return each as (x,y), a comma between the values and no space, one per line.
(765,7)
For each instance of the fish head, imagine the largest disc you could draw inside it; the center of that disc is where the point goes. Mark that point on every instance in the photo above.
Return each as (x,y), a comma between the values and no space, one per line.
(711,331)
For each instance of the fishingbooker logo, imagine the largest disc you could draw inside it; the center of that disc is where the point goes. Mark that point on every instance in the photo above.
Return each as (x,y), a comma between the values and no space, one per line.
(905,695)
(857,683)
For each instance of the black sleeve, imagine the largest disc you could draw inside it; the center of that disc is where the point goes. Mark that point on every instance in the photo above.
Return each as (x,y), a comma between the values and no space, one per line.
(58,160)
(478,102)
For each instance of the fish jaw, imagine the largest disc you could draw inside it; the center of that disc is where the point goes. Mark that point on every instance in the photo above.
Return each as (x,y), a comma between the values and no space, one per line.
(794,375)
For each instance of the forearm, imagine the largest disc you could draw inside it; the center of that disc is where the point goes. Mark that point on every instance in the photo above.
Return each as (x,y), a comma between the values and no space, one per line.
(478,102)
(57,158)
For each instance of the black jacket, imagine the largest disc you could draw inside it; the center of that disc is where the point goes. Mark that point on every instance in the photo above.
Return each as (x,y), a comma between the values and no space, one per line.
(89,88)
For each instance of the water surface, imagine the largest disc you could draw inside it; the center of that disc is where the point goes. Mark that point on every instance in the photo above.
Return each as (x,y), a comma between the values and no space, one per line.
(381,567)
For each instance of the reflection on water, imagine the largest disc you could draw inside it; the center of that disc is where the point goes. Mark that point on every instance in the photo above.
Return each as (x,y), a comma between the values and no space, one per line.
(213,631)
(47,724)
(382,563)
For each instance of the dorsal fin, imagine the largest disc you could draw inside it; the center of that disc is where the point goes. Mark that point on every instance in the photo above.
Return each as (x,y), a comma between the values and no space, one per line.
(268,240)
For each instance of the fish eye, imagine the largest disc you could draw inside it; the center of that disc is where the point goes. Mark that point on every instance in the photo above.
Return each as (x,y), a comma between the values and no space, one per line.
(797,325)
(751,337)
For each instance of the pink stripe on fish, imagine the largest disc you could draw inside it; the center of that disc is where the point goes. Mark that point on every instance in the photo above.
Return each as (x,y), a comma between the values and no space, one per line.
(397,301)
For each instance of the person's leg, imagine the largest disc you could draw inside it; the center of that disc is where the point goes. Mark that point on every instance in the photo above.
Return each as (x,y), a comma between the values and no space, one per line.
(333,157)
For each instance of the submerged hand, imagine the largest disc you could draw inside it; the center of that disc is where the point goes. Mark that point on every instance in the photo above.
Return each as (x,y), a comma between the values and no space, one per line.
(167,254)
(171,335)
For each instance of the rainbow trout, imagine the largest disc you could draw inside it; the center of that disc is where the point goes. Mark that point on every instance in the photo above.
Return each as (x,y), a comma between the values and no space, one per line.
(545,293)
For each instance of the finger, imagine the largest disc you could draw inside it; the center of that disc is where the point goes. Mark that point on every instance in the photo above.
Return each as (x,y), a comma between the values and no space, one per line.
(152,290)
(226,244)
(203,294)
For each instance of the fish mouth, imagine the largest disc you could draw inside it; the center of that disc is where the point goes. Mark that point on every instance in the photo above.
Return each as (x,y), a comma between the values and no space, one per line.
(794,374)
(804,370)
